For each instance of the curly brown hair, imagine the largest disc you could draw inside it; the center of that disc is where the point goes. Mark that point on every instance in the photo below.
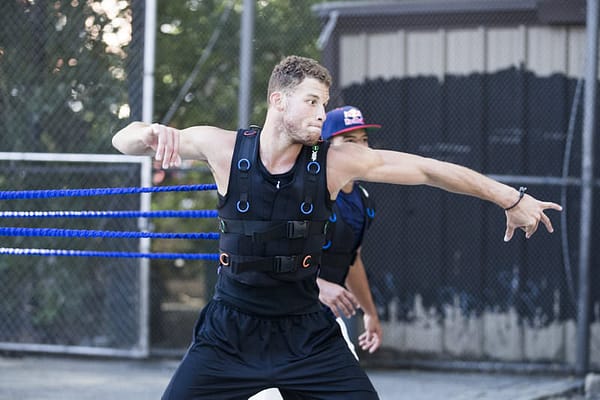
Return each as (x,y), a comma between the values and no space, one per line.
(292,70)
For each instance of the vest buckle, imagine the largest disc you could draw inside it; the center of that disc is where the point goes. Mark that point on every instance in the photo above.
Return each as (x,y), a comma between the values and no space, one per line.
(284,264)
(297,229)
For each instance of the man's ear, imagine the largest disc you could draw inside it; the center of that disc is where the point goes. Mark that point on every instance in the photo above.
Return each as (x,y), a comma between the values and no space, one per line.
(276,99)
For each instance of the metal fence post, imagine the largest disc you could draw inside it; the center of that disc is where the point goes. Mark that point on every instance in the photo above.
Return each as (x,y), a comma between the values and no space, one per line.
(246,49)
(587,177)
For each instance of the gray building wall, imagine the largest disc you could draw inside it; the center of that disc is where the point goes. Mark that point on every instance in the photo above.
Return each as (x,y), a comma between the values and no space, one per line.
(399,40)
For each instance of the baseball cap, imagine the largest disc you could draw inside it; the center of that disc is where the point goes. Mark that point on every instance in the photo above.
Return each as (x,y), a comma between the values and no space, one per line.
(342,120)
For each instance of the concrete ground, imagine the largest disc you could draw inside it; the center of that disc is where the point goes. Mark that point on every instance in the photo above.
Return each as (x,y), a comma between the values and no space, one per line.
(76,378)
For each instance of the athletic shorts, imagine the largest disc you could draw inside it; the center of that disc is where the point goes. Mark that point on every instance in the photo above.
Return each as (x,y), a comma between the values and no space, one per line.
(235,355)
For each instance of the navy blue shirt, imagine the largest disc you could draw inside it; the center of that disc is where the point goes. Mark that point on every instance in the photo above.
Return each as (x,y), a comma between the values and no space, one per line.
(352,211)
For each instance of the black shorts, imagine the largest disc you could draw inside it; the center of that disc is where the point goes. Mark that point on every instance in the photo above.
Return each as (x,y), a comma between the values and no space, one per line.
(235,355)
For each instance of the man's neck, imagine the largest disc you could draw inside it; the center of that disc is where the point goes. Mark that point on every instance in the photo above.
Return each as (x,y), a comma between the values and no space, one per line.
(277,153)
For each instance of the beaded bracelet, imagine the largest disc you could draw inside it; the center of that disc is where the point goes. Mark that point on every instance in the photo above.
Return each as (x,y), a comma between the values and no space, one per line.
(522,191)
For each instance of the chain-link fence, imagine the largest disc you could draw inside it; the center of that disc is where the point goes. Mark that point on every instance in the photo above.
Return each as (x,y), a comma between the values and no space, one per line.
(61,303)
(69,76)
(498,88)
(490,85)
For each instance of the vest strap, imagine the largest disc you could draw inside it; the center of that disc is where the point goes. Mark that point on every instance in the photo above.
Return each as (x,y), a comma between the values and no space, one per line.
(269,230)
(244,164)
(275,264)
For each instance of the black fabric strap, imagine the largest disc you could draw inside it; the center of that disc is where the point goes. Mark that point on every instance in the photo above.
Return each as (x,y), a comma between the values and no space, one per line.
(312,169)
(248,157)
(275,264)
(269,230)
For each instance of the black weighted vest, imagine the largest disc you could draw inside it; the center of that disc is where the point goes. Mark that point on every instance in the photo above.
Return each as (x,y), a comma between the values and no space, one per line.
(273,226)
(339,251)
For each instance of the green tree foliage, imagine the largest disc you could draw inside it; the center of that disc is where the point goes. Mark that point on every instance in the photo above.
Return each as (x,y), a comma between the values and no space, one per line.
(63,89)
(282,27)
(62,75)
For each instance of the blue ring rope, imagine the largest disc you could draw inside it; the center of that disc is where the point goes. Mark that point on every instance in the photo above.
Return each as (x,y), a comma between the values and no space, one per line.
(44,194)
(111,214)
(112,254)
(38,194)
(98,233)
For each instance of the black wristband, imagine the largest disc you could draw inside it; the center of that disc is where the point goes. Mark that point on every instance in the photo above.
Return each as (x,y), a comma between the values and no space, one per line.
(522,191)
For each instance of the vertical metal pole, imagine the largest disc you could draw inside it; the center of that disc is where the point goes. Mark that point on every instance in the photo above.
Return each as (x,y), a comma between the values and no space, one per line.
(149,50)
(135,64)
(587,178)
(144,291)
(146,178)
(246,52)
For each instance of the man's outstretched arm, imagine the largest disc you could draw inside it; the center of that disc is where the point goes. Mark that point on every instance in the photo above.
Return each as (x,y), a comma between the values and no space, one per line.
(407,169)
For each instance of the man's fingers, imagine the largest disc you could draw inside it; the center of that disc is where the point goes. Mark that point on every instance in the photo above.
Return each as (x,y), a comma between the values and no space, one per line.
(554,206)
(369,341)
(171,149)
(530,230)
(351,300)
(510,231)
(347,304)
(177,161)
(546,221)
(529,218)
(376,342)
(345,310)
(341,304)
(168,147)
(335,311)
(338,299)
(364,340)
(160,148)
